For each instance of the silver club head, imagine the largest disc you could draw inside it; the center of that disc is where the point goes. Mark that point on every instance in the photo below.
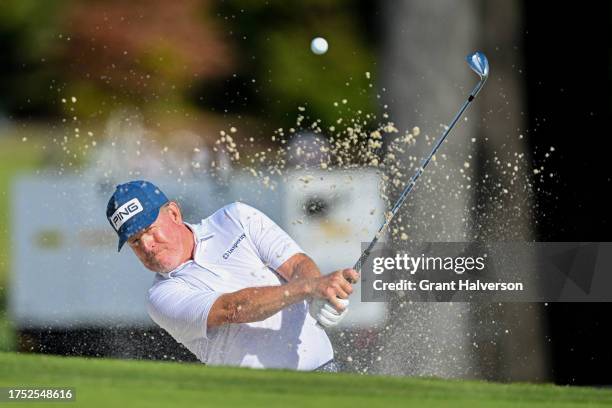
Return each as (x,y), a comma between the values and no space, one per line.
(479,64)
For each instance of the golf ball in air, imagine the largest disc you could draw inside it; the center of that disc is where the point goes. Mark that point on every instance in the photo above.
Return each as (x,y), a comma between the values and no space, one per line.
(319,45)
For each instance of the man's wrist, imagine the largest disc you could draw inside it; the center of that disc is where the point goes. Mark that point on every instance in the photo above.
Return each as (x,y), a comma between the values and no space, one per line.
(304,287)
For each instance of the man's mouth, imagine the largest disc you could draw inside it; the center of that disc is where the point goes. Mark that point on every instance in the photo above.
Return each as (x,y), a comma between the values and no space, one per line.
(155,256)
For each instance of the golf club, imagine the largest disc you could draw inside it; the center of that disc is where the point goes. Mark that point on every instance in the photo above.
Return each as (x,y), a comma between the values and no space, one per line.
(479,64)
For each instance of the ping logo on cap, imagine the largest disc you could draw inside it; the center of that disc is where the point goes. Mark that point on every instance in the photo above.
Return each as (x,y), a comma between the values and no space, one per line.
(125,212)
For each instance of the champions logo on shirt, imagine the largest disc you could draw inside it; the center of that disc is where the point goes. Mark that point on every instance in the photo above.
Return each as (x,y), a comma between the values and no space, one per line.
(233,247)
(125,212)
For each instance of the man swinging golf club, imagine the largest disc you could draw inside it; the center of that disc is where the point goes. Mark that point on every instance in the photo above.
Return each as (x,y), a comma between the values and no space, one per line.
(235,289)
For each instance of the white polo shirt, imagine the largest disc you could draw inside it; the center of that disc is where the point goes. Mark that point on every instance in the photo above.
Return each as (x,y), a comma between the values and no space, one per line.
(237,247)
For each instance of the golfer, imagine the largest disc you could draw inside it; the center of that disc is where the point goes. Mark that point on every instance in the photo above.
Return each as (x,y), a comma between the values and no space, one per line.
(235,289)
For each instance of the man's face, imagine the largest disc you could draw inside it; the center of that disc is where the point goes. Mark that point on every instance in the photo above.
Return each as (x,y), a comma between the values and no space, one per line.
(159,247)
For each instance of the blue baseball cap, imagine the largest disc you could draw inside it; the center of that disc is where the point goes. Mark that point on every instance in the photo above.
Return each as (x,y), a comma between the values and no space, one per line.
(133,207)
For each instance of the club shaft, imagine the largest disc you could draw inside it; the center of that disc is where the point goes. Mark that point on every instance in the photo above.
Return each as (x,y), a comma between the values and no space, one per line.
(389,216)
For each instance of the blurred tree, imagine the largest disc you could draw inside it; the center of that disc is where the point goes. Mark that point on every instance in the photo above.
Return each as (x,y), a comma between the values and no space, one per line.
(30,67)
(106,53)
(145,52)
(163,56)
(278,72)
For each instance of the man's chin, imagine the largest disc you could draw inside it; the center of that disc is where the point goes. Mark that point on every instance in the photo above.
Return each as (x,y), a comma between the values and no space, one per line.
(159,268)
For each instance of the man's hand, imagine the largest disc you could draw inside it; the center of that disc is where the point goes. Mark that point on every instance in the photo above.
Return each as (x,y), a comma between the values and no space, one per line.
(335,286)
(324,313)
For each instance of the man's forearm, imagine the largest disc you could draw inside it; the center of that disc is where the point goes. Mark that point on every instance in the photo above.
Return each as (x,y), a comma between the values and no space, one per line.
(256,304)
(299,266)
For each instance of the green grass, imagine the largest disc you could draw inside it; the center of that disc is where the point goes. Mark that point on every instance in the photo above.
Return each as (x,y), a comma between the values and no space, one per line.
(103,383)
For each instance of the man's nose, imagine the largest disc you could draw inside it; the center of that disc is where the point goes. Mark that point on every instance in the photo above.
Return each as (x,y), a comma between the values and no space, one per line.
(147,243)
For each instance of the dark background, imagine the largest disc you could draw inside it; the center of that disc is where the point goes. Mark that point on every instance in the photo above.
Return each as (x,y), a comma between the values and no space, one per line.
(569,79)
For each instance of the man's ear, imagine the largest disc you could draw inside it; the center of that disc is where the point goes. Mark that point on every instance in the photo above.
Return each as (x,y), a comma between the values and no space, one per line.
(174,211)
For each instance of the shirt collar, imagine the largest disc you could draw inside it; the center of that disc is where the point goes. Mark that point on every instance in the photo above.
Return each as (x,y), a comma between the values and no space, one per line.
(175,270)
(192,228)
